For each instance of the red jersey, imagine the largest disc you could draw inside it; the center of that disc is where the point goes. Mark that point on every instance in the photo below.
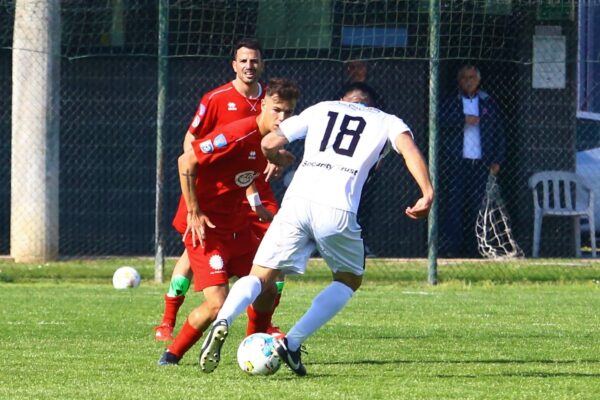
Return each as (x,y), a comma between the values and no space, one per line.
(229,160)
(221,106)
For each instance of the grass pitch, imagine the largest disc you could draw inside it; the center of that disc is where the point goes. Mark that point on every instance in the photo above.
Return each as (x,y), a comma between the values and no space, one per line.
(65,336)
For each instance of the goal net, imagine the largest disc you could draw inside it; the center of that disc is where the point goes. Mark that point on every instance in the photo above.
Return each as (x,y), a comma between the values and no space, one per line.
(493,228)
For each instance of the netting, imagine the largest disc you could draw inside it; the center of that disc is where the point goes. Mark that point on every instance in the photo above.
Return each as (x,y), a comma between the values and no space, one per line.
(493,228)
(525,51)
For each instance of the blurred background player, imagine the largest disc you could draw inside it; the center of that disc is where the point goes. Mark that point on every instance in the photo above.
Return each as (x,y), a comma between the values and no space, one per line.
(356,71)
(230,102)
(343,141)
(214,176)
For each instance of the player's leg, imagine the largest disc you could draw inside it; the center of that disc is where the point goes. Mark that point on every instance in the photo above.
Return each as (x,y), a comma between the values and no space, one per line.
(339,240)
(283,244)
(208,265)
(178,287)
(243,293)
(329,302)
(260,312)
(197,322)
(260,315)
(272,329)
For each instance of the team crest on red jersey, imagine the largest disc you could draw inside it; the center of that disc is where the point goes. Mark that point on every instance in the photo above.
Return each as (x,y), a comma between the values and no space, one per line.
(220,140)
(198,117)
(206,147)
(245,178)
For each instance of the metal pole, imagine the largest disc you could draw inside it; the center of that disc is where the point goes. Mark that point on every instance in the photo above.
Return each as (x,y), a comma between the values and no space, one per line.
(434,61)
(163,51)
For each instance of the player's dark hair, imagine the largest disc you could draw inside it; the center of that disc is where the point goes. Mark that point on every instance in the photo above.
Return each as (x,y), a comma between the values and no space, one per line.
(362,87)
(285,89)
(249,43)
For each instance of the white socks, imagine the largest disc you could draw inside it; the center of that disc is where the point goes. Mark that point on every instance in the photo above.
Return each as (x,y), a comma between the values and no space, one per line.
(324,306)
(242,294)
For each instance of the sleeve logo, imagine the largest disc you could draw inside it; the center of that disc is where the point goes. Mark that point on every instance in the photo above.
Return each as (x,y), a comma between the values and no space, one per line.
(206,147)
(220,140)
(196,121)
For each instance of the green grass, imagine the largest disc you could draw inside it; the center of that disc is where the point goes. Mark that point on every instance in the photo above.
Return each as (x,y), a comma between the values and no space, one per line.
(65,333)
(380,270)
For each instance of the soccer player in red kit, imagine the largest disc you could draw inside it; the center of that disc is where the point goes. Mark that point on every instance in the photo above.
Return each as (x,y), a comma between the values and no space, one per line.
(230,102)
(214,176)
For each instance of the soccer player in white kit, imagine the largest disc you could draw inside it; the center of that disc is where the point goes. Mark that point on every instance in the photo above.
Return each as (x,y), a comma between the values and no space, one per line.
(343,141)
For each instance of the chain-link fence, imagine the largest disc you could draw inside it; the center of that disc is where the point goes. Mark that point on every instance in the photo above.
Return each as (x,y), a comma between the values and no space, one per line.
(78,112)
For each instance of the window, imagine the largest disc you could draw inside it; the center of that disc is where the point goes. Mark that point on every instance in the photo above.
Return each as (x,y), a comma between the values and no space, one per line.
(588,85)
(294,24)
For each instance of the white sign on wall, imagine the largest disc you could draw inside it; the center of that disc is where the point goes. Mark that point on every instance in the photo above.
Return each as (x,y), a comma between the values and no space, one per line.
(549,58)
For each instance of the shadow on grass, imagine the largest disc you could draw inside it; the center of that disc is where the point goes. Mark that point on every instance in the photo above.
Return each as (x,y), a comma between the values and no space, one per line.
(525,375)
(489,361)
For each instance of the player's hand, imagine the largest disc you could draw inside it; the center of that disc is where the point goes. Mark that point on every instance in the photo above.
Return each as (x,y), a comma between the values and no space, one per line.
(286,158)
(283,158)
(420,209)
(264,215)
(197,224)
(272,171)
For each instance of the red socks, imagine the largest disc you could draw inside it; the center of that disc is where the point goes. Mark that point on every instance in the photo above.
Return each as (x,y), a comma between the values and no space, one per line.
(257,321)
(185,339)
(172,305)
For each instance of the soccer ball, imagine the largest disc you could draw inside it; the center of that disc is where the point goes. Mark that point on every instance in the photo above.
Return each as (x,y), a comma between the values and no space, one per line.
(257,356)
(126,277)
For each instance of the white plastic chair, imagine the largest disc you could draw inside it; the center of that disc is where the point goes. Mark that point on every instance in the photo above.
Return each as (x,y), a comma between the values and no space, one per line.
(562,194)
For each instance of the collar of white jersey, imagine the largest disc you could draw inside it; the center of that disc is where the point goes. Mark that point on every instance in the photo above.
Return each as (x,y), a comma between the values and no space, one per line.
(355,102)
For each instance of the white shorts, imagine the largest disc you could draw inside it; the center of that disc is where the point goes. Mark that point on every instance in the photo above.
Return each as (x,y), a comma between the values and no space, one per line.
(300,226)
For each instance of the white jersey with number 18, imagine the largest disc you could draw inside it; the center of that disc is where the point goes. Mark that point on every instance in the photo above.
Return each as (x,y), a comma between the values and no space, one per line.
(343,142)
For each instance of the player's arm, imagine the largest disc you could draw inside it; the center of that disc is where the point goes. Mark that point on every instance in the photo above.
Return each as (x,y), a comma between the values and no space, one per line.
(187,141)
(295,128)
(415,162)
(197,221)
(205,119)
(254,200)
(272,147)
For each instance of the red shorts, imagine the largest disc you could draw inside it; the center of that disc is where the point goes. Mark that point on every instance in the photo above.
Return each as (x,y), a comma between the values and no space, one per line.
(221,258)
(259,228)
